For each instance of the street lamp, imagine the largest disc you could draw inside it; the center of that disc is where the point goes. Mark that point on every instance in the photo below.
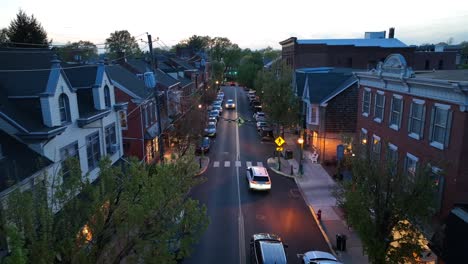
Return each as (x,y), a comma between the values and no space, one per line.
(301,142)
(217,86)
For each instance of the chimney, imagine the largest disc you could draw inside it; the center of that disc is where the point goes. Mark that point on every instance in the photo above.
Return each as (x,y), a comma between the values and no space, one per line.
(391,32)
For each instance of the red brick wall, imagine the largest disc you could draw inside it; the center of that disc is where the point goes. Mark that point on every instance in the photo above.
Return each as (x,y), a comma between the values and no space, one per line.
(433,58)
(131,138)
(449,159)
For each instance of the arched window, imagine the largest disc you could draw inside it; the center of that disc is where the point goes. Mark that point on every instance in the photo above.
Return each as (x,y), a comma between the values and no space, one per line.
(107,98)
(64,108)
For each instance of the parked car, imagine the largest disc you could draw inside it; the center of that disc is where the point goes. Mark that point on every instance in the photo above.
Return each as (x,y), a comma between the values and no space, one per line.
(212,119)
(203,146)
(218,108)
(267,248)
(261,124)
(230,104)
(259,116)
(210,130)
(258,178)
(319,257)
(214,113)
(266,133)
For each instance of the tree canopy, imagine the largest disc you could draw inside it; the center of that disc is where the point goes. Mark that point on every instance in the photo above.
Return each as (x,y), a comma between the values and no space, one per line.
(26,32)
(121,41)
(133,213)
(387,207)
(78,51)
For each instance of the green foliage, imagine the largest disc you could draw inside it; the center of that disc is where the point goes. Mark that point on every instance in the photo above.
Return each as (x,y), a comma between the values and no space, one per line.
(275,89)
(3,37)
(380,201)
(133,212)
(250,64)
(121,41)
(25,29)
(217,71)
(85,49)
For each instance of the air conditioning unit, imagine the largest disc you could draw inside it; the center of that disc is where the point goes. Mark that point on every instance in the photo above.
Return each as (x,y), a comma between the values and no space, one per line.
(114,148)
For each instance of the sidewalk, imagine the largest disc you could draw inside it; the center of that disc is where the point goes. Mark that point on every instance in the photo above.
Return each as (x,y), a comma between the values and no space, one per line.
(203,163)
(316,187)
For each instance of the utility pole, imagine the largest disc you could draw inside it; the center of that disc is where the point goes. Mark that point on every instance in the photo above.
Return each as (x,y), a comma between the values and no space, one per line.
(158,104)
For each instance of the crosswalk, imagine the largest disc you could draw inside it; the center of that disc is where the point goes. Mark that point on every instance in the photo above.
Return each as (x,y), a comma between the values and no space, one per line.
(237,163)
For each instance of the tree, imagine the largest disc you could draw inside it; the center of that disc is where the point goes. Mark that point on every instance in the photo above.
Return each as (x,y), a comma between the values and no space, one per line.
(135,213)
(250,64)
(121,41)
(270,54)
(198,43)
(387,207)
(3,37)
(219,47)
(26,30)
(275,89)
(81,51)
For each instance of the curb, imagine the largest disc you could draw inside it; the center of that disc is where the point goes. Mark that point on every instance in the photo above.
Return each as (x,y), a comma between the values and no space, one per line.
(271,161)
(319,223)
(204,168)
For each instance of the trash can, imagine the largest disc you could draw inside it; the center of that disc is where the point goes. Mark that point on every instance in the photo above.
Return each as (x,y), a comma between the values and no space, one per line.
(341,242)
(288,154)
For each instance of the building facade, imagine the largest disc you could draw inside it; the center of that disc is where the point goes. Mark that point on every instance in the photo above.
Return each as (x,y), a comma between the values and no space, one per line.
(418,120)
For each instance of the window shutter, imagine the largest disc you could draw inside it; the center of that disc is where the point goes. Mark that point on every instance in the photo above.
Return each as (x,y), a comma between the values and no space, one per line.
(383,108)
(410,114)
(431,127)
(391,111)
(448,129)
(423,121)
(375,104)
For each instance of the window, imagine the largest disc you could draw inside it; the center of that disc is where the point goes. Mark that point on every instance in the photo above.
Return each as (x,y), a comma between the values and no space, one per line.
(379,106)
(376,146)
(363,136)
(439,180)
(93,150)
(396,110)
(152,149)
(441,121)
(146,115)
(392,158)
(107,97)
(64,108)
(411,165)
(123,119)
(314,115)
(416,119)
(366,101)
(111,139)
(70,151)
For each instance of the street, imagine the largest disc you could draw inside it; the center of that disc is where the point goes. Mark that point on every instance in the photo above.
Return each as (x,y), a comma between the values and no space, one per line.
(235,212)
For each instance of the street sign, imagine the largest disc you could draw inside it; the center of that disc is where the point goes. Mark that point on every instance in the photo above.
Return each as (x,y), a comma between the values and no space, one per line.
(279,148)
(279,141)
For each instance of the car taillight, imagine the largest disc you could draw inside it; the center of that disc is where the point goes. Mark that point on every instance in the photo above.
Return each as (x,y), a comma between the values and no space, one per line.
(253,182)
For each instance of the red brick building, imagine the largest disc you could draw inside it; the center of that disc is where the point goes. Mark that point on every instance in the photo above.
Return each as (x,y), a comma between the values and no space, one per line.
(418,119)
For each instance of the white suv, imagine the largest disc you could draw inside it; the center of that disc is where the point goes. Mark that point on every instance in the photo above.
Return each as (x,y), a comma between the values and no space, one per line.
(258,178)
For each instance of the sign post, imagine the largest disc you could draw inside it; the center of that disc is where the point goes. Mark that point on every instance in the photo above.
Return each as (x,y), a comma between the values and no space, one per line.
(279,142)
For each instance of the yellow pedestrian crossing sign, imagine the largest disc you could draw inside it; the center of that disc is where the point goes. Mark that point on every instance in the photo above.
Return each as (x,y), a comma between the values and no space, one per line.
(279,148)
(279,141)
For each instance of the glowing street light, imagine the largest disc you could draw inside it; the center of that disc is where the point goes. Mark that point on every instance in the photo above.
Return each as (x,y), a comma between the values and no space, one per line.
(301,142)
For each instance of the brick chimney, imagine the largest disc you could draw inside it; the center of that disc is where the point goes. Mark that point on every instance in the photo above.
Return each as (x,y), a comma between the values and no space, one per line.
(391,33)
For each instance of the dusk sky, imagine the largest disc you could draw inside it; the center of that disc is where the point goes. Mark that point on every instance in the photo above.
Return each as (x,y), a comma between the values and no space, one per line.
(251,24)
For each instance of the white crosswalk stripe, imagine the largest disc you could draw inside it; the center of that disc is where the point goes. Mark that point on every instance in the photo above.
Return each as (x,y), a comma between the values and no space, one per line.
(227,164)
(248,164)
(259,163)
(238,163)
(216,164)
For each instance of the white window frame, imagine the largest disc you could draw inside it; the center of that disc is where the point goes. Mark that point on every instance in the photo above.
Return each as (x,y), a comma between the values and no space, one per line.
(414,159)
(110,138)
(396,126)
(368,92)
(421,119)
(379,119)
(393,148)
(95,150)
(448,121)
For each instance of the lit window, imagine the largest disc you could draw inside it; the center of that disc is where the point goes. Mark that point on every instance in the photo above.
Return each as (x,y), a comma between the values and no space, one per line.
(376,146)
(379,106)
(416,119)
(396,111)
(123,119)
(411,165)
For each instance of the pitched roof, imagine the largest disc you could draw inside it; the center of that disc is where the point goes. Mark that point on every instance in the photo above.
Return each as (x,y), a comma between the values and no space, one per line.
(127,81)
(84,77)
(384,43)
(19,161)
(322,85)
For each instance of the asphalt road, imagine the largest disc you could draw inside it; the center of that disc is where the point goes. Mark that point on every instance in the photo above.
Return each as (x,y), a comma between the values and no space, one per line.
(235,212)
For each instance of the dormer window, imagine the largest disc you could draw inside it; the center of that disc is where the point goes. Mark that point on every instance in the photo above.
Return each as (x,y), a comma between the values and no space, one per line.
(107,98)
(64,108)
